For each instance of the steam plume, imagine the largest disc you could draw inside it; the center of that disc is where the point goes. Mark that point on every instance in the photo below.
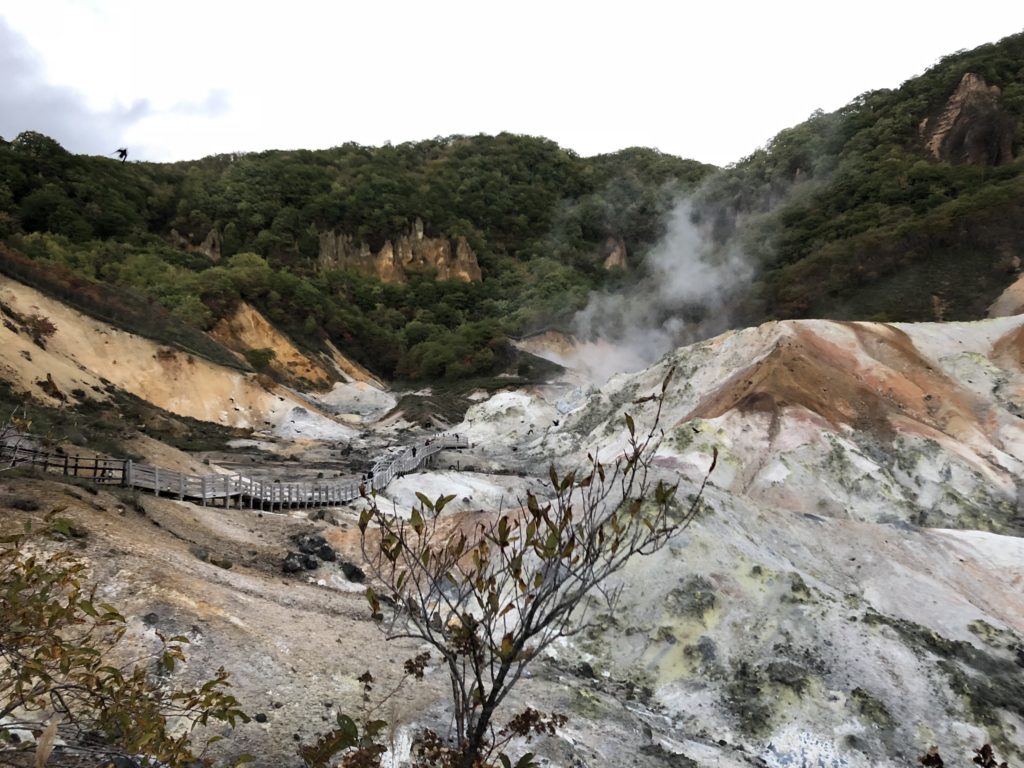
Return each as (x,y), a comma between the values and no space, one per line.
(683,296)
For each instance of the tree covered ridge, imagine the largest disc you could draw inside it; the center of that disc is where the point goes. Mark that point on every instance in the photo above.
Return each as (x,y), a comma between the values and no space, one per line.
(845,215)
(849,215)
(534,213)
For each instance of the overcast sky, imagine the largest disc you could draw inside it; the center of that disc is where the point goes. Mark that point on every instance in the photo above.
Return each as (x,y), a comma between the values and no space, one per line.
(184,79)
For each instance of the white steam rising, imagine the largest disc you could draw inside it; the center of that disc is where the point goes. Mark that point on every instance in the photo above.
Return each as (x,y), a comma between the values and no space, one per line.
(682,298)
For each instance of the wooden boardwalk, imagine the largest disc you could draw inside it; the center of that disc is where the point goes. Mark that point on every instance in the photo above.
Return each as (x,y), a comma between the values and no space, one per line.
(236,490)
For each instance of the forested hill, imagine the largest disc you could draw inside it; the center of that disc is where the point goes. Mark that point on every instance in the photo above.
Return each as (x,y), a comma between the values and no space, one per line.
(200,236)
(906,204)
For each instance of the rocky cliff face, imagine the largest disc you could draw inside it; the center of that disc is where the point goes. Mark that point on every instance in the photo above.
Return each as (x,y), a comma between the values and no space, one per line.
(972,127)
(210,247)
(395,259)
(246,329)
(614,253)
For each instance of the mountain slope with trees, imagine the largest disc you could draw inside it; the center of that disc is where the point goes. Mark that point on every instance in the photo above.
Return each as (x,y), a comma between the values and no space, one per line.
(871,212)
(534,213)
(904,205)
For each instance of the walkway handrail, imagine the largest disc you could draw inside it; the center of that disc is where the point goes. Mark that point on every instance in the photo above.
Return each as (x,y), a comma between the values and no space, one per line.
(245,490)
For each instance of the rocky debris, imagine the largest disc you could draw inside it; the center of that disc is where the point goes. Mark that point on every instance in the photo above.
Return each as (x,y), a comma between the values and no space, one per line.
(312,549)
(315,544)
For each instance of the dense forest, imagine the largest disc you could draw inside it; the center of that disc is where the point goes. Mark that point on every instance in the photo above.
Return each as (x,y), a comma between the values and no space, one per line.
(867,212)
(852,215)
(534,214)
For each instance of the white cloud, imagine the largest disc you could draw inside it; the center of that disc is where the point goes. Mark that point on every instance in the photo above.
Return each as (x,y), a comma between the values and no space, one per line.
(710,81)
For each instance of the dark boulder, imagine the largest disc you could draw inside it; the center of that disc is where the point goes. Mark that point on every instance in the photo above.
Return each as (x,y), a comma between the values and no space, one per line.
(352,572)
(292,563)
(309,543)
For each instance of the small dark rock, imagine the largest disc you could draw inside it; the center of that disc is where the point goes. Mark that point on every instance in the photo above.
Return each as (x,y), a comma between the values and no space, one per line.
(309,543)
(310,563)
(150,619)
(583,669)
(24,504)
(352,572)
(200,553)
(277,705)
(292,563)
(221,562)
(673,759)
(706,649)
(260,717)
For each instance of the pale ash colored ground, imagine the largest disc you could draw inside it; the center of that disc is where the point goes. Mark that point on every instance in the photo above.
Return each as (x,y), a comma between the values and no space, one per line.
(852,596)
(833,629)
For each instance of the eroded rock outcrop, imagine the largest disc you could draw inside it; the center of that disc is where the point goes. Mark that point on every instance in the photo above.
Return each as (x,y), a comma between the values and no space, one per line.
(210,247)
(246,329)
(614,253)
(452,259)
(1009,302)
(972,127)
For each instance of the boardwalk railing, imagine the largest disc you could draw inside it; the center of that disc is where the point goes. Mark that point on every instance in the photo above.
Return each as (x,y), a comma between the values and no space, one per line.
(232,489)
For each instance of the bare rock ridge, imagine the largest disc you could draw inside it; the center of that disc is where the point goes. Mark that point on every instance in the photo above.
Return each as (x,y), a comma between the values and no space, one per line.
(210,247)
(972,127)
(453,260)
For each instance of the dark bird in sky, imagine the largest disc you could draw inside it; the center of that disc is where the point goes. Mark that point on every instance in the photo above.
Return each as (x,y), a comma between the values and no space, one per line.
(122,153)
